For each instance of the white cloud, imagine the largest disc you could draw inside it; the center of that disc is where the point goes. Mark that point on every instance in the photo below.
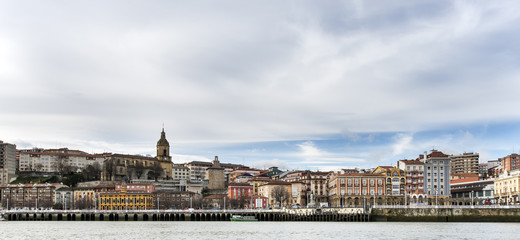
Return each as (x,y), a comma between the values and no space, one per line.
(402,143)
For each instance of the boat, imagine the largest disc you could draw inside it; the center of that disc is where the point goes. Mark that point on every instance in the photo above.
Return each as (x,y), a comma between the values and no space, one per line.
(240,218)
(2,218)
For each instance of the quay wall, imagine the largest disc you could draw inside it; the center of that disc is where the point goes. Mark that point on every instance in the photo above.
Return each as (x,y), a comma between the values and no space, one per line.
(351,215)
(446,214)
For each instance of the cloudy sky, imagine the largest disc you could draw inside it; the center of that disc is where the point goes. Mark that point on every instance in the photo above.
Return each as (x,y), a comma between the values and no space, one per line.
(296,84)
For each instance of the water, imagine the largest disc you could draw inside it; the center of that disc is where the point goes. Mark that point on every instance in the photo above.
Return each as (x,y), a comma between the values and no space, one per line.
(257,230)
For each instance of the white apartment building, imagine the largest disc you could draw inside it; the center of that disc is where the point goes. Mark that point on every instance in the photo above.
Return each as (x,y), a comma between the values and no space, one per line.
(437,174)
(44,160)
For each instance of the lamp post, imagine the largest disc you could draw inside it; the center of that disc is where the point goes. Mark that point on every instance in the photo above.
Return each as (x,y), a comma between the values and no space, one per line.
(472,192)
(436,194)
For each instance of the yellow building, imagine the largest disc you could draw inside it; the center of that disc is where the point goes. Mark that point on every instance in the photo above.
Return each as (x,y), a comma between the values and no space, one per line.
(84,198)
(507,187)
(125,201)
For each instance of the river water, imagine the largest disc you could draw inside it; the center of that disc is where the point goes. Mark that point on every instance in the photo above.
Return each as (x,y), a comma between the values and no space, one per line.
(257,230)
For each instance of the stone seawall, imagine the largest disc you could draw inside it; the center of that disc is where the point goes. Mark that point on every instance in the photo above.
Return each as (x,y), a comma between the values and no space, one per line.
(446,214)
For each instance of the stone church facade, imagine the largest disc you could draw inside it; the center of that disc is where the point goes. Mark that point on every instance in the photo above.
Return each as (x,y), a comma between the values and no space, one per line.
(118,167)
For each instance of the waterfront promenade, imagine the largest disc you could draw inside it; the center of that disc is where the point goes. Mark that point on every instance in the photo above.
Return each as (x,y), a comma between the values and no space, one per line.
(484,213)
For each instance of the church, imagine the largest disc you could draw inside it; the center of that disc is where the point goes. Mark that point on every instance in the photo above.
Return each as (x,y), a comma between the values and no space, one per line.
(118,167)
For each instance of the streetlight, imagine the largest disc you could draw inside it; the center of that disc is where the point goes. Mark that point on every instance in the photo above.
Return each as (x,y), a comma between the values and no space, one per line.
(472,198)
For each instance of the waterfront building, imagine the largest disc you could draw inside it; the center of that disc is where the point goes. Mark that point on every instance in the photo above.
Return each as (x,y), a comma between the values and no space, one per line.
(260,202)
(215,201)
(240,190)
(124,200)
(507,187)
(395,180)
(315,183)
(240,195)
(414,170)
(166,199)
(7,162)
(477,192)
(464,163)
(37,195)
(65,197)
(277,193)
(87,197)
(437,177)
(355,189)
(55,160)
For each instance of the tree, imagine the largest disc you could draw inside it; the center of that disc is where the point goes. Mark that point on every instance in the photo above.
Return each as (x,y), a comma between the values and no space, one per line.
(280,195)
(156,170)
(62,166)
(137,170)
(109,169)
(92,172)
(38,167)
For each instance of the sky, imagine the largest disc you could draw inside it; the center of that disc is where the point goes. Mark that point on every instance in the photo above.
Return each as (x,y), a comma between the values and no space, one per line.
(317,85)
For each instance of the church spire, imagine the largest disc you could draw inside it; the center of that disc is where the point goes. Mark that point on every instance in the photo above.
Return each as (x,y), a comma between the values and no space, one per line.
(163,147)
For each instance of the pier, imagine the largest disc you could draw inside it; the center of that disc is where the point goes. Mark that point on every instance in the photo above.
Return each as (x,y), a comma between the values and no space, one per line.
(309,215)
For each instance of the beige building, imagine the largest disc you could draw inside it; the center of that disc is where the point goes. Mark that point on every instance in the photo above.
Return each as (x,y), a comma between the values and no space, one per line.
(356,189)
(507,187)
(278,193)
(180,172)
(7,162)
(46,160)
(464,163)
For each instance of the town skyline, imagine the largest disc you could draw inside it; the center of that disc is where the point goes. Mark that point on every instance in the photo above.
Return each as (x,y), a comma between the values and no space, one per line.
(301,86)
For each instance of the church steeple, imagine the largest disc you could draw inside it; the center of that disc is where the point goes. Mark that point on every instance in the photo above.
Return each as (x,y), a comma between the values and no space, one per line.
(163,148)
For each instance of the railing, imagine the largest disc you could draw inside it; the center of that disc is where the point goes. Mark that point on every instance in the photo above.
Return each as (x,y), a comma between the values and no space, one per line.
(142,211)
(449,206)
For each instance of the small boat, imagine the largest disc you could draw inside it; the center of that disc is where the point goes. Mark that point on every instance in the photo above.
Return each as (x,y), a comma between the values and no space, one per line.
(2,218)
(240,218)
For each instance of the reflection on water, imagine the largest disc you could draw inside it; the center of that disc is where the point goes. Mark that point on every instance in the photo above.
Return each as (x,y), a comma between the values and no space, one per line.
(256,230)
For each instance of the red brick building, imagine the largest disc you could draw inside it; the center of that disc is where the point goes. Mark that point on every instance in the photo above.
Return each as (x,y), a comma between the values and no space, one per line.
(240,190)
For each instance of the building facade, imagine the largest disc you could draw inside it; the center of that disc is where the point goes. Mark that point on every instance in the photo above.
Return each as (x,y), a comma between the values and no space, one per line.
(7,162)
(437,177)
(510,162)
(49,160)
(125,201)
(180,172)
(37,195)
(479,192)
(414,170)
(356,189)
(507,187)
(464,163)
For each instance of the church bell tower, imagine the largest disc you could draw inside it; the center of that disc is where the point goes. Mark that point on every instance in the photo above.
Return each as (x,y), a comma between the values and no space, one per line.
(163,148)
